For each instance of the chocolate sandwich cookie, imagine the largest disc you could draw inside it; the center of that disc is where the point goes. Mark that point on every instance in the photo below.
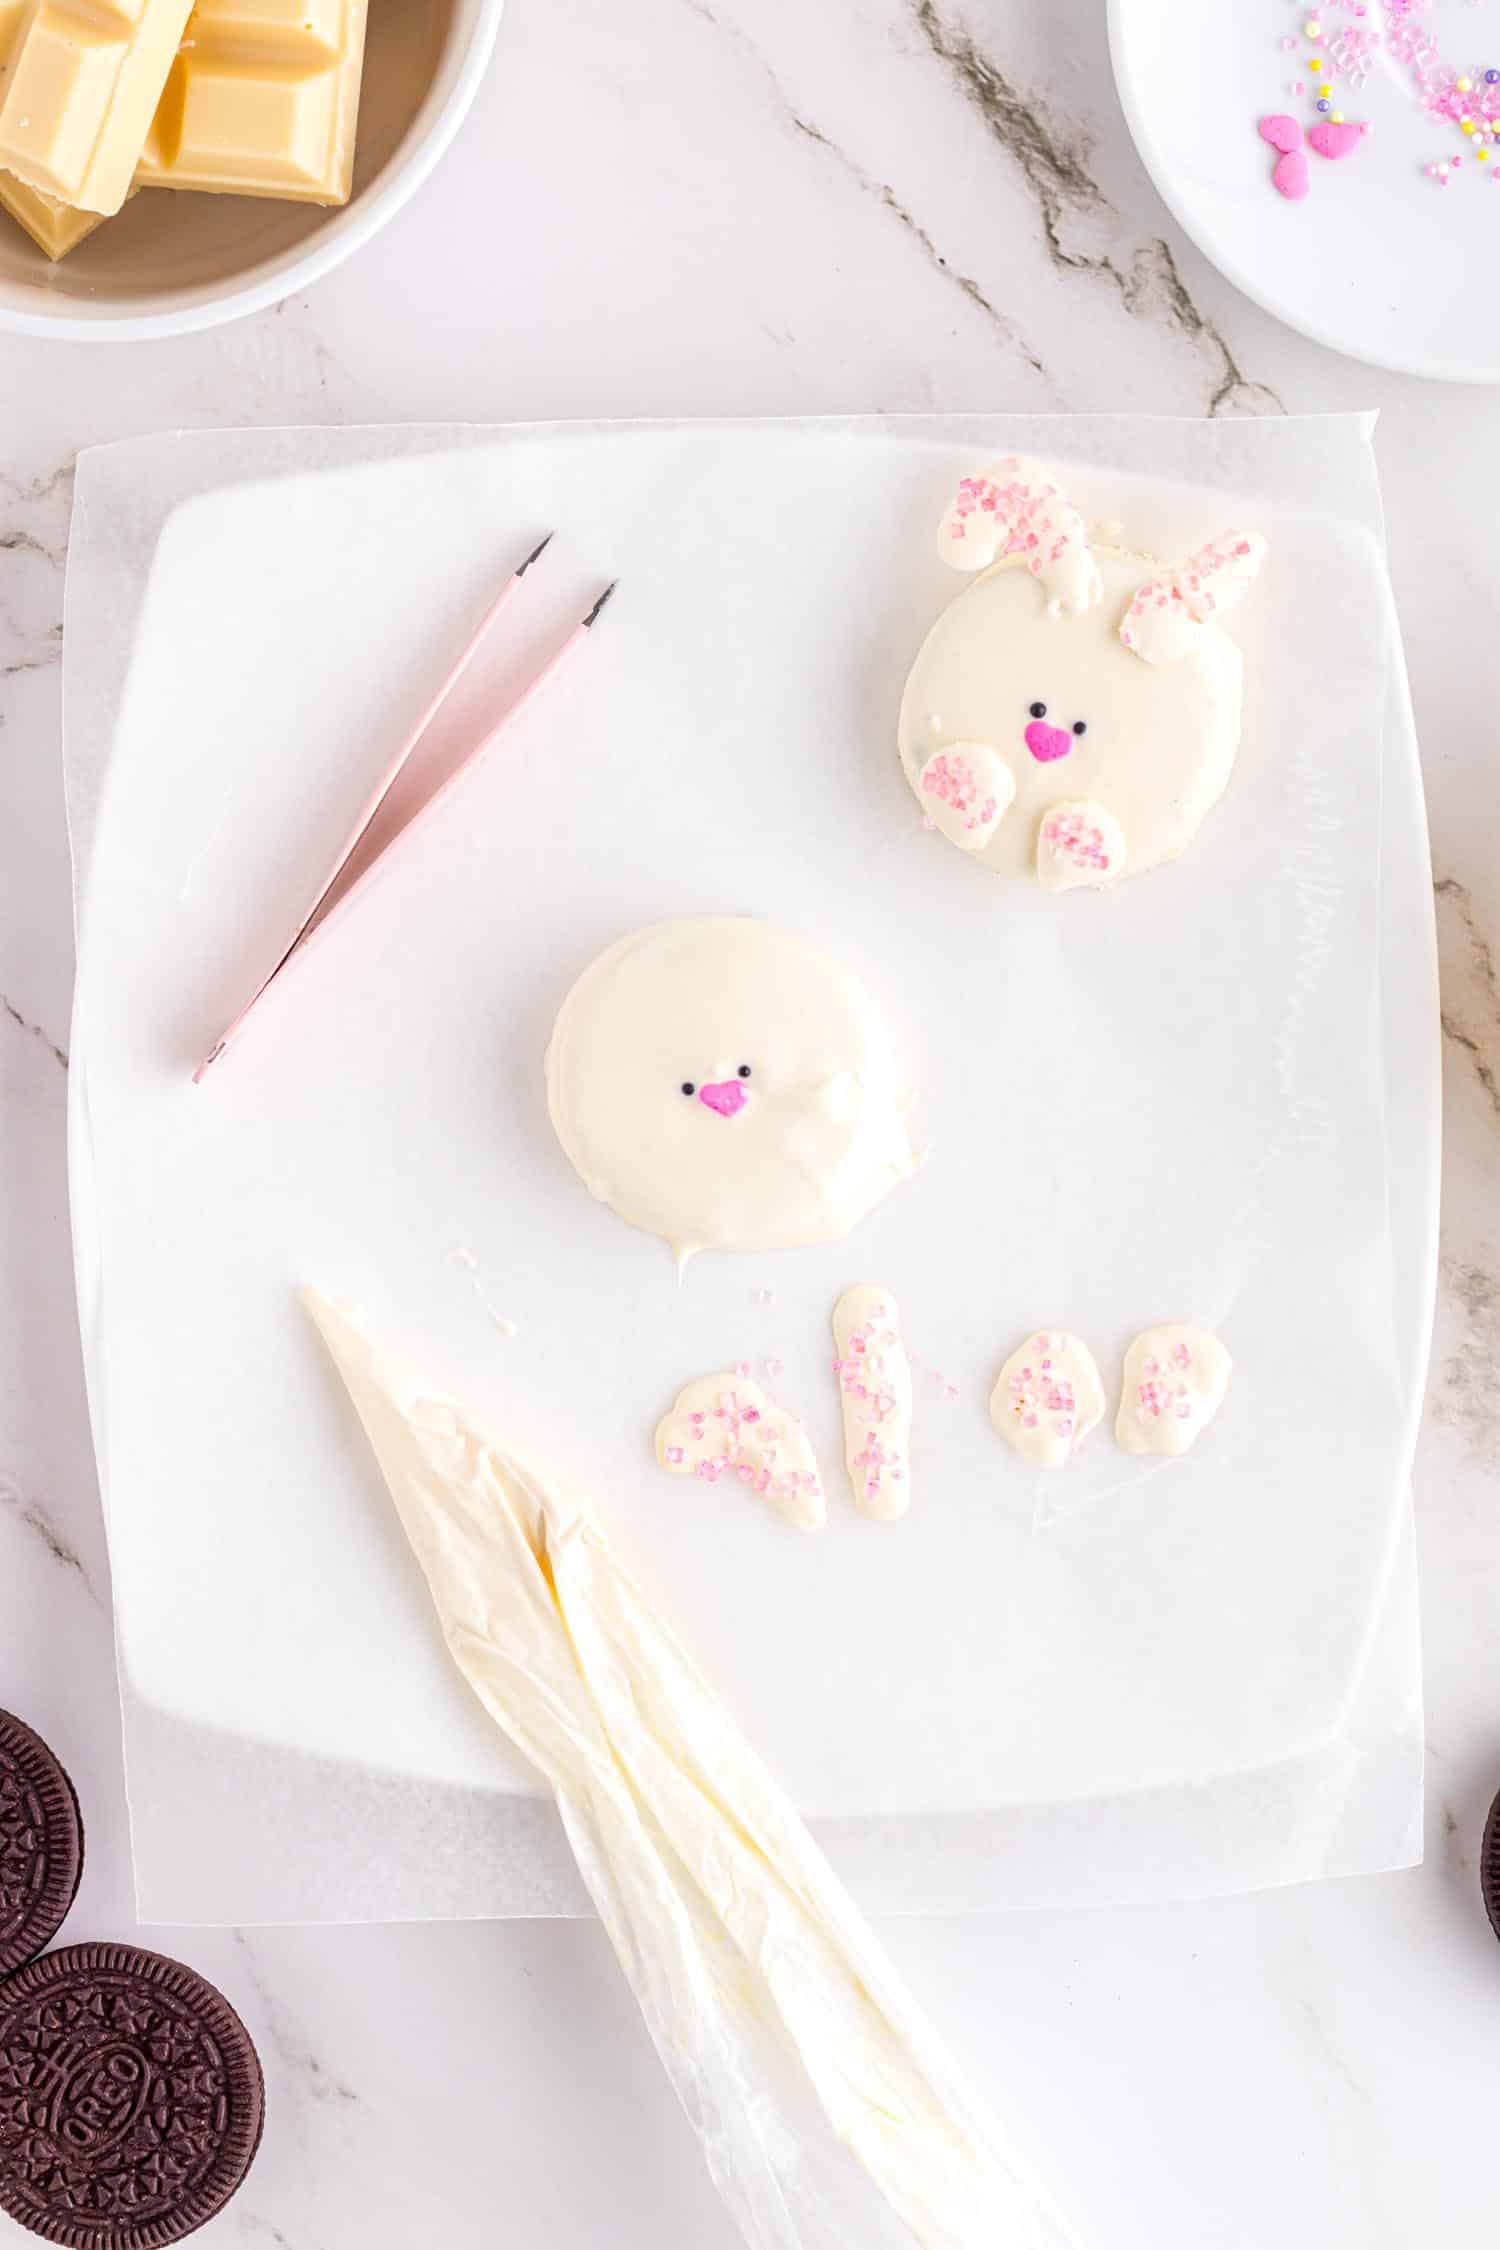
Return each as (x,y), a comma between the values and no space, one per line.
(41,1844)
(1489,1867)
(131,2098)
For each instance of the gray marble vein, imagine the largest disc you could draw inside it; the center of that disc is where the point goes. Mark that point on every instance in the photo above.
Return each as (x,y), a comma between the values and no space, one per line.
(1327,2046)
(33,546)
(1471,996)
(44,1528)
(869,184)
(1147,280)
(287,2044)
(1464,1393)
(34,1031)
(887,197)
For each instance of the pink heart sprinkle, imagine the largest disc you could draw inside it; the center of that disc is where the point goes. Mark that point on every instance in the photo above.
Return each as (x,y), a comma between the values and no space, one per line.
(1333,140)
(1046,743)
(1290,176)
(1283,133)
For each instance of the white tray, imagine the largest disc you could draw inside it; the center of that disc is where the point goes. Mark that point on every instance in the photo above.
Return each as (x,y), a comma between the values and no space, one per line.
(1378,261)
(1129,1681)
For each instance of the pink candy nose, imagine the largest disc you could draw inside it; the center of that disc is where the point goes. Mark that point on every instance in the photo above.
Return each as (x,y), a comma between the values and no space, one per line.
(728,1097)
(1046,743)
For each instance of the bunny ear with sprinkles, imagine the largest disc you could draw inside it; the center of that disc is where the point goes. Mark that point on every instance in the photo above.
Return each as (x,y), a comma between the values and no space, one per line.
(1167,612)
(1013,511)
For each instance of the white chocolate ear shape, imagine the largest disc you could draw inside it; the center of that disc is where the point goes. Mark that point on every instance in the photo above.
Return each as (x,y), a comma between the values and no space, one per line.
(1168,611)
(724,1429)
(874,1378)
(1013,511)
(966,790)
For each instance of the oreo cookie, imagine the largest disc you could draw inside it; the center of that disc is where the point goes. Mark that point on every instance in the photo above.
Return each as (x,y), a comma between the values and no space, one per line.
(131,2098)
(1489,1867)
(41,1844)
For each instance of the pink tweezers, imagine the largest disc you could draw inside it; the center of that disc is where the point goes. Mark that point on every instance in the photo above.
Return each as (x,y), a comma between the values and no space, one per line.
(331,901)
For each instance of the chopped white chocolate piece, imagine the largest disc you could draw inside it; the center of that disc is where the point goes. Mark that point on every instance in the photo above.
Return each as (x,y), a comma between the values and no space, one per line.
(262,100)
(874,1377)
(79,85)
(54,226)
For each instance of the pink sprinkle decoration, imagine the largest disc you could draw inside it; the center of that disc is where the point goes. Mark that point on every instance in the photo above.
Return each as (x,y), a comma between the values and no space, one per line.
(1077,840)
(1038,1391)
(952,781)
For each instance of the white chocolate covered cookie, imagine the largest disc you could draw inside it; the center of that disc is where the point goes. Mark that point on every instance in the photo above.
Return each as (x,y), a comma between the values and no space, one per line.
(1088,684)
(729,1086)
(1048,1397)
(874,1379)
(1176,1379)
(724,1429)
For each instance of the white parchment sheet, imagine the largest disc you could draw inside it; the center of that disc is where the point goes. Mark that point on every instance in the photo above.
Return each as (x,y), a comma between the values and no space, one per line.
(1132,1679)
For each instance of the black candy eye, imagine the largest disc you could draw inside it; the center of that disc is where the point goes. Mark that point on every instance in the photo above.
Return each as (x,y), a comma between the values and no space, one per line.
(1039,710)
(744,1070)
(688,1087)
(1080,726)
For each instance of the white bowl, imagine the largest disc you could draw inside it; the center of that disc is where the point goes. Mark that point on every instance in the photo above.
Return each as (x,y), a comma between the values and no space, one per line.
(173,262)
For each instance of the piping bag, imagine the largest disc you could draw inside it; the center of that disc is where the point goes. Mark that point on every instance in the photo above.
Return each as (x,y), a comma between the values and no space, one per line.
(830,2116)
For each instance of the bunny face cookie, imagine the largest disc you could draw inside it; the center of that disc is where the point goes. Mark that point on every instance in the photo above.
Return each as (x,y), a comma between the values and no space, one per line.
(729,1086)
(1075,713)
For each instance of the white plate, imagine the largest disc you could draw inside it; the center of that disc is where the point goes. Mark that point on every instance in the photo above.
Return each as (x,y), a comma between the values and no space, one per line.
(1130,1633)
(1377,261)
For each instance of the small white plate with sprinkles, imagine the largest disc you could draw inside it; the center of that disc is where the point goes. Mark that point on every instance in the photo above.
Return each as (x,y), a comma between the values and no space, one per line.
(1339,163)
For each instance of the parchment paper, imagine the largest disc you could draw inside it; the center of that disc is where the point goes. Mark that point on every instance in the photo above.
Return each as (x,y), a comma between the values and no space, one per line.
(1135,1680)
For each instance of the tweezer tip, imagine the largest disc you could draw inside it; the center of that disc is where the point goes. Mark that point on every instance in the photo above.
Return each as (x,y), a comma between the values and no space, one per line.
(539,548)
(208,1061)
(599,604)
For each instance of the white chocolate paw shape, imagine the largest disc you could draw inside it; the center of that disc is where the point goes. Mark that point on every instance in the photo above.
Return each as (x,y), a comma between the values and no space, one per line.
(1093,675)
(1079,845)
(1176,1379)
(1048,1397)
(966,791)
(724,1429)
(874,1379)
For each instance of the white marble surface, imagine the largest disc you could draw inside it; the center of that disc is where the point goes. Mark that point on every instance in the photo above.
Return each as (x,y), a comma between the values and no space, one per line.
(760,206)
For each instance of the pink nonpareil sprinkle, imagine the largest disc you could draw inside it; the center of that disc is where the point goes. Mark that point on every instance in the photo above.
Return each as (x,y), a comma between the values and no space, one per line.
(674,1454)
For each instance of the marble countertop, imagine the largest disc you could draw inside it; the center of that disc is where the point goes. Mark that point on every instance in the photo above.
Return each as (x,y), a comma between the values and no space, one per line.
(757,206)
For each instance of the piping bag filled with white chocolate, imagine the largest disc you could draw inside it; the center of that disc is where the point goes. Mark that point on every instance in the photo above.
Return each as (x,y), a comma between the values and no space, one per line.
(829,2114)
